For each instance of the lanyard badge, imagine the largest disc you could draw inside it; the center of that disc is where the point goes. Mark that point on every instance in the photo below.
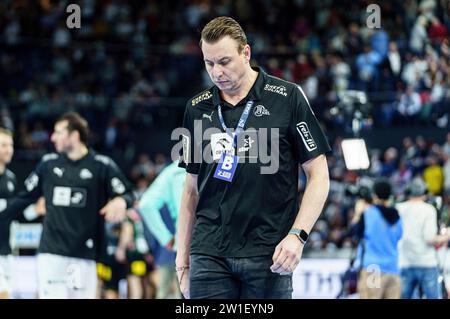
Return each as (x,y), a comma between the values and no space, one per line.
(228,161)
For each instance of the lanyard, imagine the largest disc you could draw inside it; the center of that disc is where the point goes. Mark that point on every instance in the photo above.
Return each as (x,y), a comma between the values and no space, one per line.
(241,123)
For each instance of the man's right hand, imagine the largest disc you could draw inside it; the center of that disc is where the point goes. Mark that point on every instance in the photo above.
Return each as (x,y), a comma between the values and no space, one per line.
(121,255)
(39,206)
(170,244)
(183,281)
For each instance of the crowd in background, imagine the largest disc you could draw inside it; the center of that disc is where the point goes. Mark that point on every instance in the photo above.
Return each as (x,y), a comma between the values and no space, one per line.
(133,63)
(417,158)
(129,55)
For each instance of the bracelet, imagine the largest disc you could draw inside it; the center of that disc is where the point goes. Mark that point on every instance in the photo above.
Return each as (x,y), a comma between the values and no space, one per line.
(182,268)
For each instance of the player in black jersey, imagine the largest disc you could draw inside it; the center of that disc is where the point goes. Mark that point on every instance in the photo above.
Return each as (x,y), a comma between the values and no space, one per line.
(8,186)
(81,189)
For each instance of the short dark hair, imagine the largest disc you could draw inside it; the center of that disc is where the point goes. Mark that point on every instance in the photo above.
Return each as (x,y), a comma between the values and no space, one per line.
(75,122)
(382,188)
(220,27)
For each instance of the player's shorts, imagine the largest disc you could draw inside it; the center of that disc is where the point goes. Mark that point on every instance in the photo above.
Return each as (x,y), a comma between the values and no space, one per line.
(61,277)
(111,272)
(5,274)
(138,265)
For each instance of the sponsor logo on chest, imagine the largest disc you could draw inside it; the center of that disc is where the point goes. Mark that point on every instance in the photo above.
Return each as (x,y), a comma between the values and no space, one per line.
(85,174)
(260,110)
(279,89)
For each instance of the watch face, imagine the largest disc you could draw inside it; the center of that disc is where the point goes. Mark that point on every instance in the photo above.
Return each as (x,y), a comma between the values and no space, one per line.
(303,235)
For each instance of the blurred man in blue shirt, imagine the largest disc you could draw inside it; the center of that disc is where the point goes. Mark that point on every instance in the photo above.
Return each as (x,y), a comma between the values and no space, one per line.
(380,229)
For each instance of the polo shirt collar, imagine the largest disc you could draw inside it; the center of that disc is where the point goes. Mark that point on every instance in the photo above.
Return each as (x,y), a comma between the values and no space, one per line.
(254,93)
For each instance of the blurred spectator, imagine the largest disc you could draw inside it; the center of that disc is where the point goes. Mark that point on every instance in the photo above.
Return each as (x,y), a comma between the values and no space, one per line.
(380,42)
(24,140)
(144,168)
(401,178)
(380,228)
(367,63)
(433,175)
(446,146)
(395,62)
(419,37)
(40,136)
(410,105)
(111,134)
(160,162)
(446,172)
(437,31)
(417,256)
(413,71)
(341,73)
(389,165)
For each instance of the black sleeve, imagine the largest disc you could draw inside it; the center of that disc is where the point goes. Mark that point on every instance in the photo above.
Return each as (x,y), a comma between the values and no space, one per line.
(32,192)
(14,194)
(190,154)
(309,141)
(118,184)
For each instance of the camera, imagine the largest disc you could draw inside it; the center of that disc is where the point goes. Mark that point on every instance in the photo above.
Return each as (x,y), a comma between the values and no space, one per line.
(359,192)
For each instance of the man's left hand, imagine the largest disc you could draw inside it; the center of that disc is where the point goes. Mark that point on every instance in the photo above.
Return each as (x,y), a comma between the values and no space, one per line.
(287,255)
(115,211)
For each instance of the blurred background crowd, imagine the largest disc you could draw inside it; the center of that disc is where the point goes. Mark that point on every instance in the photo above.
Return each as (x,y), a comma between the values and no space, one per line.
(133,64)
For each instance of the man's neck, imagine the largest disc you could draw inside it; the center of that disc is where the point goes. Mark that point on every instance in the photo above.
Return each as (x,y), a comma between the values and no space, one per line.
(77,152)
(233,97)
(381,202)
(417,199)
(2,168)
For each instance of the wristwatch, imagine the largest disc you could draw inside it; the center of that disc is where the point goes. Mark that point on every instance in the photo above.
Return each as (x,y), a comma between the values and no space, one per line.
(300,233)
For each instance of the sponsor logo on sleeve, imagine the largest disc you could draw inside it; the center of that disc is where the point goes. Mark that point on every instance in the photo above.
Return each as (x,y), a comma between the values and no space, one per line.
(3,204)
(117,186)
(48,157)
(31,182)
(104,159)
(10,186)
(306,136)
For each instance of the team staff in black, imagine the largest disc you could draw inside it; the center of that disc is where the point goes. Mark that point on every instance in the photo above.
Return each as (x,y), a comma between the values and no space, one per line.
(80,188)
(241,231)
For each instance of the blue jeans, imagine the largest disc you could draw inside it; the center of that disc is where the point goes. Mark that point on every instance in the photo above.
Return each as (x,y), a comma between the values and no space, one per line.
(424,277)
(236,278)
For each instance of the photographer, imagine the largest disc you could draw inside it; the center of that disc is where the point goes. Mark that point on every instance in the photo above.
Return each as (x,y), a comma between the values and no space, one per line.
(379,228)
(417,254)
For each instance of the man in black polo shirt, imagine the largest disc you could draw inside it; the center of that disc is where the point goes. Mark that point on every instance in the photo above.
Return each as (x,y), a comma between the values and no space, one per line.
(241,231)
(81,189)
